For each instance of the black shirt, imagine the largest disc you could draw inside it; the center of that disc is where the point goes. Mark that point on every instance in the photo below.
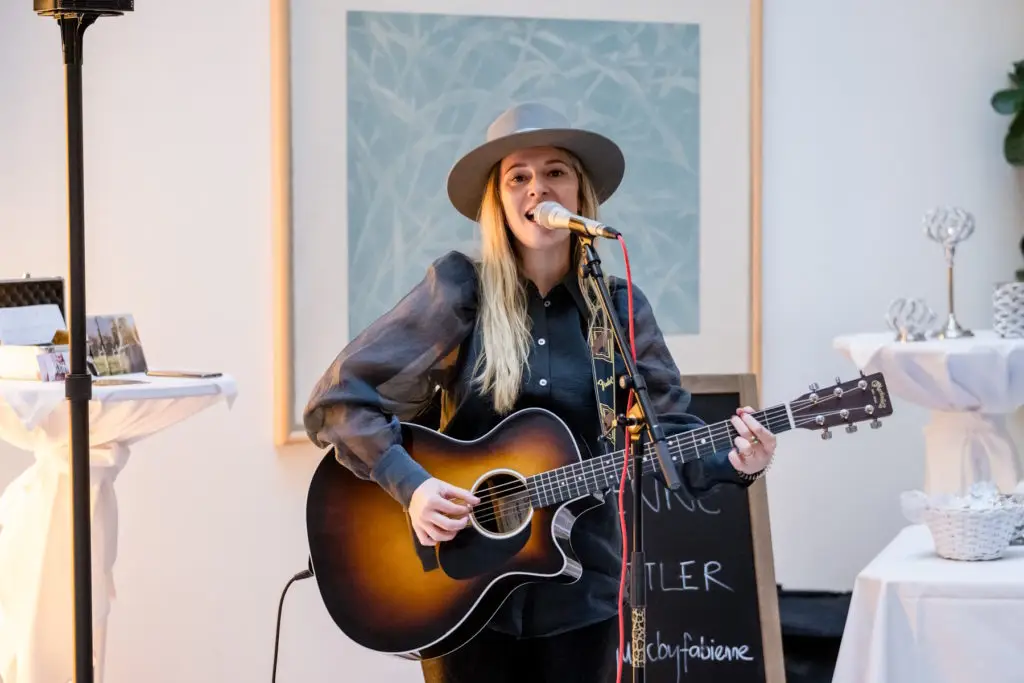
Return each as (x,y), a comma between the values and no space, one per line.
(421,354)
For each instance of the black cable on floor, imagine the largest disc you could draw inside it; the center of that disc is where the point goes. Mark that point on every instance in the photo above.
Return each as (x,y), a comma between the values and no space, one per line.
(304,574)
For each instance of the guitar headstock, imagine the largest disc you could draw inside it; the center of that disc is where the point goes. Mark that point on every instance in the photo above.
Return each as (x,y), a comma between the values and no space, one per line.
(843,404)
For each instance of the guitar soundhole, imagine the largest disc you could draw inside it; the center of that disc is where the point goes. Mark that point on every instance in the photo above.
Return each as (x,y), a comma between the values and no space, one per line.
(504,507)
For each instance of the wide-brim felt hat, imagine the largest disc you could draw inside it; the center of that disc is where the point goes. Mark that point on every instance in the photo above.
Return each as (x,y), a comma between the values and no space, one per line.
(533,125)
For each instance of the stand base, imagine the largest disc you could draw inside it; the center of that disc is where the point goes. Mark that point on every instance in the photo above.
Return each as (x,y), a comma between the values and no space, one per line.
(952,330)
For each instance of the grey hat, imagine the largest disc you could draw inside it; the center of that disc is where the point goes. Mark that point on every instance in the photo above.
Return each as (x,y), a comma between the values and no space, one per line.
(533,125)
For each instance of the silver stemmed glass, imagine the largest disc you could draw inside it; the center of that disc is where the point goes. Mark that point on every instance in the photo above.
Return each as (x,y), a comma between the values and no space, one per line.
(949,226)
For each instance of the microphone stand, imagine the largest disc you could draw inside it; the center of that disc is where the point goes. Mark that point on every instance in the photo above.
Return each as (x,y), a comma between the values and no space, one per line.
(73,17)
(648,420)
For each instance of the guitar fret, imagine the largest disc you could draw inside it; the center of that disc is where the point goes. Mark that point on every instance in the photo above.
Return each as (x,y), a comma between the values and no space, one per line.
(594,483)
(602,473)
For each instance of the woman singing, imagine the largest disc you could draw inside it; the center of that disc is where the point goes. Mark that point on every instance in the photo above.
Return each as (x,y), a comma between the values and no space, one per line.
(503,333)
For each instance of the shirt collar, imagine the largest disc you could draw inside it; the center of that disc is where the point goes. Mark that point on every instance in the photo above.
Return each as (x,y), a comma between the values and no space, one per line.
(571,283)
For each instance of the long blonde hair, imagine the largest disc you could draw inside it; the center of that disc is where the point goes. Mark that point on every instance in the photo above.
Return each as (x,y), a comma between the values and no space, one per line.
(503,318)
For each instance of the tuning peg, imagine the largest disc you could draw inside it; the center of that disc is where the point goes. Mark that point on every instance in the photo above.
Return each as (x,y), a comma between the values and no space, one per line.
(851,428)
(838,380)
(825,434)
(813,386)
(875,424)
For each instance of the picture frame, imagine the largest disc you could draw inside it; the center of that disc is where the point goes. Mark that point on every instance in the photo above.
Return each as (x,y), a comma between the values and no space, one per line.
(711,325)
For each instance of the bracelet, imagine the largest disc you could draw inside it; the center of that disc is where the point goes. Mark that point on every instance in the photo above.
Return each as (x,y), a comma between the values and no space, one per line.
(756,475)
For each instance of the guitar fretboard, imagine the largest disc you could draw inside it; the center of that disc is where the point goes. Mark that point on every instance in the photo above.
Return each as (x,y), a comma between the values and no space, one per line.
(599,474)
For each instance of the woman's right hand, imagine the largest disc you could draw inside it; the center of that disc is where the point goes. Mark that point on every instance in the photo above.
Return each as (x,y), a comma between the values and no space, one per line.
(439,511)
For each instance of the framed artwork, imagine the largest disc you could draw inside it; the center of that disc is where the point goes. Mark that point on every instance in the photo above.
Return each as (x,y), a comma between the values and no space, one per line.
(374,102)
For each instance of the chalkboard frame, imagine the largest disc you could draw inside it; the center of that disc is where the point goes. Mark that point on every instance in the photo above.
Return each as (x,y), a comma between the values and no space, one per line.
(744,386)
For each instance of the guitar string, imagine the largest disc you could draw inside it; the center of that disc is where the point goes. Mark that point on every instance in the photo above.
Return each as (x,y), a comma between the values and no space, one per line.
(711,433)
(612,464)
(526,497)
(523,500)
(719,430)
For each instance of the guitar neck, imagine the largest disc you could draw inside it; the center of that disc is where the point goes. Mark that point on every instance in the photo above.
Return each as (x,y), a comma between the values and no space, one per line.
(597,475)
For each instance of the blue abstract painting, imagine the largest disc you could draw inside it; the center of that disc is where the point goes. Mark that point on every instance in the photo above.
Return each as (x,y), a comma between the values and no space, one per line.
(422,89)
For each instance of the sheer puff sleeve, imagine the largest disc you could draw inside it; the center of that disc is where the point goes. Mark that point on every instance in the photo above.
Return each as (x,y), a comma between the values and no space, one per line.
(388,374)
(671,400)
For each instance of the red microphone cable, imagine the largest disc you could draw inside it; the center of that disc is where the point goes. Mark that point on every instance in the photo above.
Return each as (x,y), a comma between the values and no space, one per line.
(622,478)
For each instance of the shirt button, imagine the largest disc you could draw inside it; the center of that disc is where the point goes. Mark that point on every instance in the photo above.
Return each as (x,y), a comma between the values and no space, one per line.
(543,382)
(541,341)
(547,303)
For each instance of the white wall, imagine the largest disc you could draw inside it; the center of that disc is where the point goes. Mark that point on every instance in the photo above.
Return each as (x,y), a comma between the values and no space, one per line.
(873,114)
(859,142)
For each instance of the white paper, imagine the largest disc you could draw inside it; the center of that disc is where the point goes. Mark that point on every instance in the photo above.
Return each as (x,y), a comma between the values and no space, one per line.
(30,324)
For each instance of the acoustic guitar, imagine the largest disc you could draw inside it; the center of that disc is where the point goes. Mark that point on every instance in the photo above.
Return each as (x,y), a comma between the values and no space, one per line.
(390,594)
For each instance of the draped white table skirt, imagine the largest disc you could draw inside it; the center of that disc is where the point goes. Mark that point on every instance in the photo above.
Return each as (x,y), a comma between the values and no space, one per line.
(918,618)
(970,386)
(36,580)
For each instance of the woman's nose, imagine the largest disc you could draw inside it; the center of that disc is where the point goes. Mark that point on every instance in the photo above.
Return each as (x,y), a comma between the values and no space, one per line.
(538,187)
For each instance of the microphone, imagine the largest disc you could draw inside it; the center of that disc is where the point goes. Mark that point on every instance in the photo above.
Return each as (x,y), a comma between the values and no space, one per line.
(554,216)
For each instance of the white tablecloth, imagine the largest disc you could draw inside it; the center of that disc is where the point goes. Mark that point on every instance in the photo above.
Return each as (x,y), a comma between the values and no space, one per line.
(917,618)
(970,385)
(36,584)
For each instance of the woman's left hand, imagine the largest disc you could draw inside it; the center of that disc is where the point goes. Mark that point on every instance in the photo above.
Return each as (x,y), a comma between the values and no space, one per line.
(755,445)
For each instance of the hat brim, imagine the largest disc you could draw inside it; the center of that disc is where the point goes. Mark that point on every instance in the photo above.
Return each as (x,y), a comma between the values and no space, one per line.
(601,158)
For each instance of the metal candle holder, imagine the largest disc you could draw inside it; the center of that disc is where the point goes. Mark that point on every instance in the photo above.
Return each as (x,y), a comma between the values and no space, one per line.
(910,319)
(949,226)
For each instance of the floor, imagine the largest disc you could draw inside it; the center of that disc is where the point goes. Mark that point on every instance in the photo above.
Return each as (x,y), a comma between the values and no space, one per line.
(812,628)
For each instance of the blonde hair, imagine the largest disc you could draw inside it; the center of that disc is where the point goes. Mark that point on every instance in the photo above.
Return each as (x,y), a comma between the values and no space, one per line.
(503,318)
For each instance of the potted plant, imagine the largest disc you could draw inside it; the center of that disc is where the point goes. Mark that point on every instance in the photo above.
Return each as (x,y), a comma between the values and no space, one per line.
(1008,297)
(1010,102)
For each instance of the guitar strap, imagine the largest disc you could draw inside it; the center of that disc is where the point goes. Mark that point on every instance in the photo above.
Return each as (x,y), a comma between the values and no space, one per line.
(602,357)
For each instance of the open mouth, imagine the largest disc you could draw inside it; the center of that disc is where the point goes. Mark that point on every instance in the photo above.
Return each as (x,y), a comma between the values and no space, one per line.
(530,216)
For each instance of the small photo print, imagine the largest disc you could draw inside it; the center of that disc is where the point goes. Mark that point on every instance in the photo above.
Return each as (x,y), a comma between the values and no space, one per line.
(114,345)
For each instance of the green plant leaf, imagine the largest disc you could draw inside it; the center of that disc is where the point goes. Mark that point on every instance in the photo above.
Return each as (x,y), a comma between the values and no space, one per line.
(1008,101)
(1013,143)
(1017,76)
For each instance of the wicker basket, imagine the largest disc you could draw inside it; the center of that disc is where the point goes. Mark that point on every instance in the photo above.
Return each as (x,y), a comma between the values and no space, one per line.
(972,534)
(1008,310)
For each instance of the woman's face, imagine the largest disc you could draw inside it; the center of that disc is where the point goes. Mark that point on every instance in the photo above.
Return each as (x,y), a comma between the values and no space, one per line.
(529,177)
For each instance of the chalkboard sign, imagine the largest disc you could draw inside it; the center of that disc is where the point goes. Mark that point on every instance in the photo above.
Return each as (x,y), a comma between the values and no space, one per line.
(712,606)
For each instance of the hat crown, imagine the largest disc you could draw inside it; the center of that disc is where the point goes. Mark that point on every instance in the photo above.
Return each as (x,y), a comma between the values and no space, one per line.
(526,125)
(523,117)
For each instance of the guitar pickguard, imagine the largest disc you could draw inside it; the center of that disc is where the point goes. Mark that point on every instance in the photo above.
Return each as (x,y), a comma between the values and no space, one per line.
(471,554)
(426,553)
